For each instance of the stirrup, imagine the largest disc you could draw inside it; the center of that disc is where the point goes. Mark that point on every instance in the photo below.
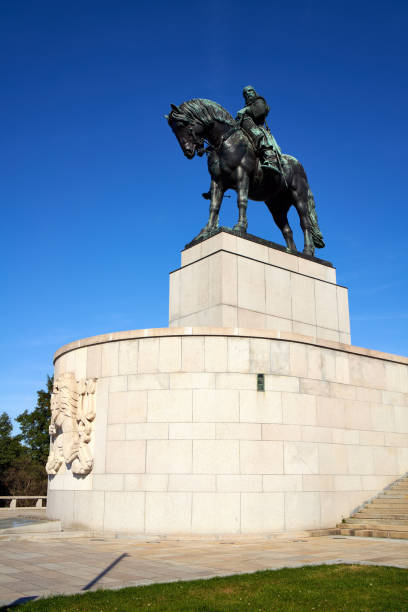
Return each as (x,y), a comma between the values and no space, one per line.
(270,167)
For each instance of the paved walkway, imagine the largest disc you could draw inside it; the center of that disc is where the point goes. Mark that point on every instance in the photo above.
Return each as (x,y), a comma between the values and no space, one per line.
(31,569)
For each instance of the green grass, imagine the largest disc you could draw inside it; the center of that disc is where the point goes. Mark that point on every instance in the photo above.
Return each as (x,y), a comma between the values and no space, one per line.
(323,587)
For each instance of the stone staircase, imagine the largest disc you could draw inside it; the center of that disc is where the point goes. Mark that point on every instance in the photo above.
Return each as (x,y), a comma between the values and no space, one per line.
(385,516)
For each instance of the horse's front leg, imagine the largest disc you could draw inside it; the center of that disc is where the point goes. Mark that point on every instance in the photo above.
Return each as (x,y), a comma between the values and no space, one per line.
(217,193)
(242,200)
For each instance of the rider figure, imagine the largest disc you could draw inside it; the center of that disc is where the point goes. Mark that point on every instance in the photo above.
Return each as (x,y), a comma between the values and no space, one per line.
(252,119)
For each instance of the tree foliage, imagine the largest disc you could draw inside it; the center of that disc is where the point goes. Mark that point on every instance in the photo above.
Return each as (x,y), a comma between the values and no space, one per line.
(10,446)
(25,476)
(10,449)
(34,425)
(23,456)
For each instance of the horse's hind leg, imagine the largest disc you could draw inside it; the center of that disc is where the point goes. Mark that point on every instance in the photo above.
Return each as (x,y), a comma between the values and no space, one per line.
(301,207)
(299,191)
(280,215)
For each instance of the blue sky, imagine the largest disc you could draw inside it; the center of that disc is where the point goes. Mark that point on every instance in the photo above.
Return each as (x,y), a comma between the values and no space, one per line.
(98,200)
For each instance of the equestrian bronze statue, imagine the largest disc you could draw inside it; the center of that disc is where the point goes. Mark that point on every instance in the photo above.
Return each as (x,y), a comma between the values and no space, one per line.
(243,155)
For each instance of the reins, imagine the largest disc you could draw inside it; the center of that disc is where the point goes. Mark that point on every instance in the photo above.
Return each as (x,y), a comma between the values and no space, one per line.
(224,137)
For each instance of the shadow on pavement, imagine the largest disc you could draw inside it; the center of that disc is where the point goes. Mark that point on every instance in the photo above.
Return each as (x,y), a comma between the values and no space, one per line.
(105,571)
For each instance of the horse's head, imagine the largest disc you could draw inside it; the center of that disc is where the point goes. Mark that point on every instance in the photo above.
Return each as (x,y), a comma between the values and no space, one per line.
(187,131)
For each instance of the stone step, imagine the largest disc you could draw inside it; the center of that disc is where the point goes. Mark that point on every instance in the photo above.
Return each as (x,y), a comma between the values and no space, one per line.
(389,501)
(392,496)
(384,521)
(384,507)
(372,525)
(401,525)
(394,504)
(373,515)
(396,492)
(324,532)
(399,499)
(388,507)
(16,537)
(370,532)
(395,499)
(385,516)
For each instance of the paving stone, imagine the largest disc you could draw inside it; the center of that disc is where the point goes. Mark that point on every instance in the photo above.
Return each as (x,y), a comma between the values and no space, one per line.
(40,568)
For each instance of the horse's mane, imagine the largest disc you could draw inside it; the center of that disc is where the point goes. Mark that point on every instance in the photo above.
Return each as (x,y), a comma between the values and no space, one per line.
(205,111)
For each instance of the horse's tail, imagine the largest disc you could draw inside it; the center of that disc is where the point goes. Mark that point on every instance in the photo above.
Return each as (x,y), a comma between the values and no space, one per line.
(316,233)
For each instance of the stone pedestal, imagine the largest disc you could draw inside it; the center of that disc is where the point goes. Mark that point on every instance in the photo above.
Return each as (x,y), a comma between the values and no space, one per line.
(234,281)
(177,438)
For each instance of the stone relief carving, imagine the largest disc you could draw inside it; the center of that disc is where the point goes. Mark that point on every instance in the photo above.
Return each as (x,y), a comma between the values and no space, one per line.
(72,413)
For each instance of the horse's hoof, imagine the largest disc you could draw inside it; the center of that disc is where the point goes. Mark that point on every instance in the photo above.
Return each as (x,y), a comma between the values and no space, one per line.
(206,232)
(240,228)
(203,234)
(308,252)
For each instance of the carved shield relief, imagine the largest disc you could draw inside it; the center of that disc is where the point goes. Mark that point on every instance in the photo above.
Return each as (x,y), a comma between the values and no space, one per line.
(72,413)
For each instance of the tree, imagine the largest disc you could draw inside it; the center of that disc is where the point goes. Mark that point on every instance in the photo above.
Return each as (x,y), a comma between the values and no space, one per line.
(23,457)
(34,425)
(10,446)
(10,450)
(25,476)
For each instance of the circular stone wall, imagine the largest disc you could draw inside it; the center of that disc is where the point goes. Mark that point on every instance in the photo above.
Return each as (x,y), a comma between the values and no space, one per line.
(183,442)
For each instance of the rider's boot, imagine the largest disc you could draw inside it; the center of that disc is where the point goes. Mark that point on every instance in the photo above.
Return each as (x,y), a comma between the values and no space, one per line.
(269,160)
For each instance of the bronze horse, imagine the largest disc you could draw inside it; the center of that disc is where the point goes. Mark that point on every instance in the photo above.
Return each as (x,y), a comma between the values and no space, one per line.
(233,164)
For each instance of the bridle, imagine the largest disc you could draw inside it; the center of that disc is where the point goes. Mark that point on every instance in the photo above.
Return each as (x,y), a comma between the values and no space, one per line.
(199,142)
